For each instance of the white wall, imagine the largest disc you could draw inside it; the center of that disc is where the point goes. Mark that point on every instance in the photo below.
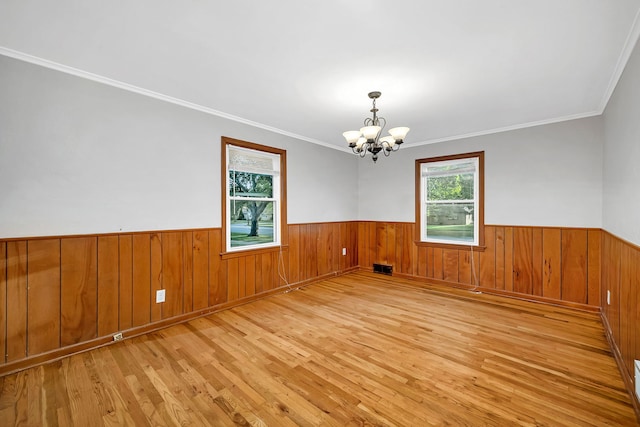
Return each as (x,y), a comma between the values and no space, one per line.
(541,176)
(80,157)
(621,179)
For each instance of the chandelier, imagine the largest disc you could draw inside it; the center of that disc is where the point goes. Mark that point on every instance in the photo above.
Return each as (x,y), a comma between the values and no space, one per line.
(367,139)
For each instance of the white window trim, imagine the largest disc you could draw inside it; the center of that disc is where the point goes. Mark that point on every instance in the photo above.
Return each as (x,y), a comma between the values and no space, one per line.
(475,201)
(276,199)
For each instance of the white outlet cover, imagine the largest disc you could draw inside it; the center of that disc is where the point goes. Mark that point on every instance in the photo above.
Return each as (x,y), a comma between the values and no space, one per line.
(160,295)
(344,251)
(608,297)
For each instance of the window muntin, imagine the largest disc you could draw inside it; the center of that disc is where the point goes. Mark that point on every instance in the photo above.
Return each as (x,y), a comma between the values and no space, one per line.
(253,205)
(450,199)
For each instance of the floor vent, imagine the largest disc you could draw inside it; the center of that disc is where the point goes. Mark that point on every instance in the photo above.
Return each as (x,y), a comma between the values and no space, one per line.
(383,269)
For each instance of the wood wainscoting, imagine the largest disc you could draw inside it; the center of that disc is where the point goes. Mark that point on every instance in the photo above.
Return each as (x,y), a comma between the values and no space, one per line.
(621,277)
(556,265)
(354,350)
(60,295)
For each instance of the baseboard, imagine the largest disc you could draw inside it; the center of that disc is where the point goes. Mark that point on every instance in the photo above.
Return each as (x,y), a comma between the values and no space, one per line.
(626,377)
(501,292)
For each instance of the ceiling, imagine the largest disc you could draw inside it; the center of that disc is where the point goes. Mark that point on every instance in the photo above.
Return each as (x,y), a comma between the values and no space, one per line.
(446,69)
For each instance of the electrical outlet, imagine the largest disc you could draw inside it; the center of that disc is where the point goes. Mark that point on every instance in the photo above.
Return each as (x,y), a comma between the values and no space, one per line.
(160,295)
(608,297)
(344,251)
(118,337)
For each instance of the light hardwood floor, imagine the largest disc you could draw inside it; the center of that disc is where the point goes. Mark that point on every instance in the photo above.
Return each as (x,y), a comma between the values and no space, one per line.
(359,349)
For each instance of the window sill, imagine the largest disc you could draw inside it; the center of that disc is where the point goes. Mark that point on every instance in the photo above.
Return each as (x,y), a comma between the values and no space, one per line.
(257,251)
(473,248)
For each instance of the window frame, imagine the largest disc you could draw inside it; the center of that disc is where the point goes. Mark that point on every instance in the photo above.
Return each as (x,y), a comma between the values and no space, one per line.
(280,209)
(479,245)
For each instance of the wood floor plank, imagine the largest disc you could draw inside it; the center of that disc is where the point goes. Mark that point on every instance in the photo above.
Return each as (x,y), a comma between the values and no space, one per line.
(360,349)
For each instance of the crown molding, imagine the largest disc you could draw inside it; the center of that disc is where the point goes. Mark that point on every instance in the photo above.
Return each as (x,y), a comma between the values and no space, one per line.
(156,95)
(506,128)
(627,50)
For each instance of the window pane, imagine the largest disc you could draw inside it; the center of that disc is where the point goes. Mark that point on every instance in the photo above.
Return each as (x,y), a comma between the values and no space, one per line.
(247,184)
(251,222)
(450,221)
(451,187)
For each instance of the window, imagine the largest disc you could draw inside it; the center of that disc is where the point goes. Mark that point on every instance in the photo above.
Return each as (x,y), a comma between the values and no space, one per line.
(253,195)
(449,199)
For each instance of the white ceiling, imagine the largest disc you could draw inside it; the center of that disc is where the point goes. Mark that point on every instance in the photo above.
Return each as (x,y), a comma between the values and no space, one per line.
(445,68)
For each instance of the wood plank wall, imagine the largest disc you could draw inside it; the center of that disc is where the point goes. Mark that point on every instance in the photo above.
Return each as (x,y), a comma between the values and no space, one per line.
(56,293)
(548,264)
(621,277)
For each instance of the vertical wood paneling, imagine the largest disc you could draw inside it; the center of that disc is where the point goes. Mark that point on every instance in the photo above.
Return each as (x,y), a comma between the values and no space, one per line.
(353,239)
(172,274)
(43,305)
(373,257)
(381,243)
(108,285)
(217,280)
(125,267)
(78,267)
(464,267)
(409,250)
(268,271)
(390,230)
(363,245)
(337,244)
(537,262)
(620,270)
(399,250)
(200,269)
(508,259)
(450,263)
(430,272)
(187,272)
(16,300)
(242,273)
(250,273)
(438,263)
(522,260)
(574,265)
(3,301)
(500,258)
(294,255)
(323,249)
(156,275)
(422,261)
(232,279)
(593,267)
(114,278)
(613,309)
(343,261)
(551,270)
(487,259)
(259,273)
(627,312)
(141,279)
(305,254)
(312,271)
